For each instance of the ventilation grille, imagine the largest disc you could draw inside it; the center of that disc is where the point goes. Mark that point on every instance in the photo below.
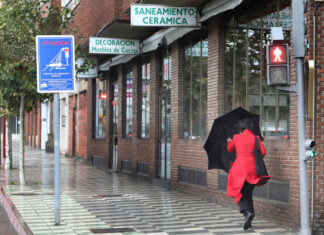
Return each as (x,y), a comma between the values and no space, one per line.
(143,168)
(99,161)
(126,166)
(276,190)
(192,176)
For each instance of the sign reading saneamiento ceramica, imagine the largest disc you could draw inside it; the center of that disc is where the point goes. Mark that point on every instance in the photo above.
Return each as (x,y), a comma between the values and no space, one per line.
(157,15)
(270,20)
(113,46)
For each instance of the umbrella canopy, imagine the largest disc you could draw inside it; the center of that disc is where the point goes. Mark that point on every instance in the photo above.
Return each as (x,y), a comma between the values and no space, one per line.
(224,127)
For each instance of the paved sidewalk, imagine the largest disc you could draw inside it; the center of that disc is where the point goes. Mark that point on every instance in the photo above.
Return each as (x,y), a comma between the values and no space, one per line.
(5,224)
(96,201)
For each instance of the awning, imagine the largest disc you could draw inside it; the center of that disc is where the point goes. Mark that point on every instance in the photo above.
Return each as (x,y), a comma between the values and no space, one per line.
(164,37)
(216,7)
(120,59)
(167,36)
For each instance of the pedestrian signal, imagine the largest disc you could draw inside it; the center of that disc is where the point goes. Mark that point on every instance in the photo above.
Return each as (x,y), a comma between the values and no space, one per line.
(278,54)
(277,64)
(310,153)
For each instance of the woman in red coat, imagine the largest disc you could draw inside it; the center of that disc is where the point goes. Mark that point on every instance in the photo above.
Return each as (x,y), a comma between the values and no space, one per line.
(242,176)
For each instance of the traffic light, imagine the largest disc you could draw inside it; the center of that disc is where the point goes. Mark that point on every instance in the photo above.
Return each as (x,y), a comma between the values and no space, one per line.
(277,64)
(310,153)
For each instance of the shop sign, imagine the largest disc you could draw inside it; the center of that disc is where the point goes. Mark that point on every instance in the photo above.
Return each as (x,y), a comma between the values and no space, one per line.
(158,15)
(113,46)
(271,21)
(92,72)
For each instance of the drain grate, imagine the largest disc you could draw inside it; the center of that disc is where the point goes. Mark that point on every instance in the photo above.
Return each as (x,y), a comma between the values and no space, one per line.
(108,195)
(112,230)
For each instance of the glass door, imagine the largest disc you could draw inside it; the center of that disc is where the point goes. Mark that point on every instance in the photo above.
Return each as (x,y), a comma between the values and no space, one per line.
(165,121)
(115,127)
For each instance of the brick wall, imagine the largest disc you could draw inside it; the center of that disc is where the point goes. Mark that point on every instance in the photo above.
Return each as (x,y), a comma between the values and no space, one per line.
(78,123)
(39,123)
(111,79)
(282,158)
(189,152)
(137,149)
(34,116)
(91,16)
(83,123)
(151,155)
(33,127)
(126,4)
(71,138)
(318,209)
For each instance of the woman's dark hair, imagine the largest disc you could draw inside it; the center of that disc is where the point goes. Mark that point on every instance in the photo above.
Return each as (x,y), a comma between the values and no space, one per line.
(245,124)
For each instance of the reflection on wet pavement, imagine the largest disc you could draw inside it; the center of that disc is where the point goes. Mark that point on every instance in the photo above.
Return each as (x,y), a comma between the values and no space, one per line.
(95,200)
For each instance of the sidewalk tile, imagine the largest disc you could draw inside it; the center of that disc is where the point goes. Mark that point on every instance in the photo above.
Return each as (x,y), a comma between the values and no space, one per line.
(93,198)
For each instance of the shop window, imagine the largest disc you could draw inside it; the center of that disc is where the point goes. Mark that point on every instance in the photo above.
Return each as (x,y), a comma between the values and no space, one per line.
(100,109)
(129,104)
(145,100)
(195,89)
(245,75)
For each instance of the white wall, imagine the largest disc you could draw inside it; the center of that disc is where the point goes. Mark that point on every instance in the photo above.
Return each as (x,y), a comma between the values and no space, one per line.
(64,123)
(46,123)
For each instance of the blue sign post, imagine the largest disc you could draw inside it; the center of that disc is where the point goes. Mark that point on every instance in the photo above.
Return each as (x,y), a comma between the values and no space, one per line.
(55,73)
(55,64)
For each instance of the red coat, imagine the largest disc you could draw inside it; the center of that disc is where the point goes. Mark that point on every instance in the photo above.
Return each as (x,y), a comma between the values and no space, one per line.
(244,165)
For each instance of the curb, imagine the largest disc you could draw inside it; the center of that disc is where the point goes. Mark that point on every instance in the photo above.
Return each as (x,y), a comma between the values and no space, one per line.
(15,217)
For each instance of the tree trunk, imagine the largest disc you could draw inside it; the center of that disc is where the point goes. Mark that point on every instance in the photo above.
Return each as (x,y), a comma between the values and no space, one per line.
(8,164)
(22,142)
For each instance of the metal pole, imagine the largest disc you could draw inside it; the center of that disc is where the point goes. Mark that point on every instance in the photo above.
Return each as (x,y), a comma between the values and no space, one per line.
(57,157)
(304,210)
(298,10)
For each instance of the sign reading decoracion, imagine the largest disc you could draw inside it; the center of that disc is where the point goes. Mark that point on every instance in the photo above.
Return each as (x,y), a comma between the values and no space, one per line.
(157,15)
(113,46)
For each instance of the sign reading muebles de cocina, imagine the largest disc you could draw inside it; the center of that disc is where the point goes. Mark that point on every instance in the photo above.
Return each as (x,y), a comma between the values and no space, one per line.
(113,46)
(157,15)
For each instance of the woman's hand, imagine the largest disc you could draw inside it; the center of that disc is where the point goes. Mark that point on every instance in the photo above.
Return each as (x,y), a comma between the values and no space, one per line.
(229,139)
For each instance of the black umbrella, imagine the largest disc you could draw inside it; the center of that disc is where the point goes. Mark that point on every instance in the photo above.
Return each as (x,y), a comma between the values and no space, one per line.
(224,127)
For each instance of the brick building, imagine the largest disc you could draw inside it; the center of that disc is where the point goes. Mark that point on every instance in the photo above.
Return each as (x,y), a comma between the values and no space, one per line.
(149,114)
(33,127)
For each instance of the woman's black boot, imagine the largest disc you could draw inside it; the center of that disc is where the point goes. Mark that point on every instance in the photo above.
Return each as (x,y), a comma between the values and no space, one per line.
(248,220)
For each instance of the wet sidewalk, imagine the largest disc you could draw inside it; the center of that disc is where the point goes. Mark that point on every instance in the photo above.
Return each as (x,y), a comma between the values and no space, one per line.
(96,201)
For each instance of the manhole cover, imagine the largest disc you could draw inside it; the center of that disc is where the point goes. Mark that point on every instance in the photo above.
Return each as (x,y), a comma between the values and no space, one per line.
(112,230)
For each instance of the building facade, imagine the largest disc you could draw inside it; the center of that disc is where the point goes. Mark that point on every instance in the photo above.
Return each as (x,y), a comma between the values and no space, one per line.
(149,114)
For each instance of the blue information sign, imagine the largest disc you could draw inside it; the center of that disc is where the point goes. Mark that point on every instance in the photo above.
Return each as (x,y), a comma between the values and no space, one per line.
(55,64)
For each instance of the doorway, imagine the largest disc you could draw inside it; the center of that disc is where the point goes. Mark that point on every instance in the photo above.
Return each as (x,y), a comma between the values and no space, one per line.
(165,122)
(115,128)
(74,130)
